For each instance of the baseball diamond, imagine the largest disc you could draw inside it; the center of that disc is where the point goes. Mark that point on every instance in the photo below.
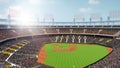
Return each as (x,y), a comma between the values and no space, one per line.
(69,55)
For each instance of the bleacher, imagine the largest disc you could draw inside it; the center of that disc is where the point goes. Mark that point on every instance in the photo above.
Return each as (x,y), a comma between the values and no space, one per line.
(14,47)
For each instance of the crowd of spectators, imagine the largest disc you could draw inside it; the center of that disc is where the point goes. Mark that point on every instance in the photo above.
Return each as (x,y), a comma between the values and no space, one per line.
(26,56)
(30,51)
(8,33)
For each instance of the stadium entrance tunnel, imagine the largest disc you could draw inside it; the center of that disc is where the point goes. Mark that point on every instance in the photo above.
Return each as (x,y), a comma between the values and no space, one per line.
(72,55)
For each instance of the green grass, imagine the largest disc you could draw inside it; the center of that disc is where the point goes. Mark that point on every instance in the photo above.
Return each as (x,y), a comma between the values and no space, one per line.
(84,55)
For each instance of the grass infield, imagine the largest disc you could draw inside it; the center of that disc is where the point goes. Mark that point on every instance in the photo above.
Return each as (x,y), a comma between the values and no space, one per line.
(68,55)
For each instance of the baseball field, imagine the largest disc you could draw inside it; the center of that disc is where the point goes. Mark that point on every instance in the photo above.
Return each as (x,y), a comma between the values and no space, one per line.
(69,55)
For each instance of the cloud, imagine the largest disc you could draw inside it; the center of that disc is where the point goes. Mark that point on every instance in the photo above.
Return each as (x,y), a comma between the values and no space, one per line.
(35,1)
(94,2)
(4,1)
(84,10)
(41,1)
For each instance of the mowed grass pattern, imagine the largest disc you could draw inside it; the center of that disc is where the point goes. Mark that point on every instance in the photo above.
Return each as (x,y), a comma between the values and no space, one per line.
(84,55)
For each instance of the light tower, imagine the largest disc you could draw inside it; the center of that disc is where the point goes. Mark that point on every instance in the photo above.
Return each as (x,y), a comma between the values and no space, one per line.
(114,15)
(78,18)
(96,17)
(48,19)
(9,19)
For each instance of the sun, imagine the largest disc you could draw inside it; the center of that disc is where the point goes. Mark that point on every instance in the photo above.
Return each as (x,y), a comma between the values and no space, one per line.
(22,16)
(25,18)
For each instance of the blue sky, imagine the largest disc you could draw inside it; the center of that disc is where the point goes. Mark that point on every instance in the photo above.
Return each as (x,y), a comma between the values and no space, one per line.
(60,10)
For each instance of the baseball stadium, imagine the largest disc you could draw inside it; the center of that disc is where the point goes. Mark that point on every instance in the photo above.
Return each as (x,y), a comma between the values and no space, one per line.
(59,34)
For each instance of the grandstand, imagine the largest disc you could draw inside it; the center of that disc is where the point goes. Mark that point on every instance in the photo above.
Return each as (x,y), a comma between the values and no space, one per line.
(23,46)
(28,40)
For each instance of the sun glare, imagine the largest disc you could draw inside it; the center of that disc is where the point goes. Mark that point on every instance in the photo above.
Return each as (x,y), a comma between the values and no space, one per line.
(22,16)
(25,18)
